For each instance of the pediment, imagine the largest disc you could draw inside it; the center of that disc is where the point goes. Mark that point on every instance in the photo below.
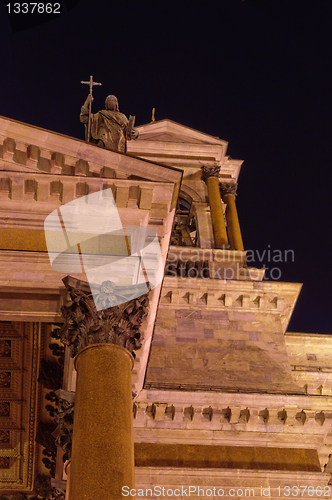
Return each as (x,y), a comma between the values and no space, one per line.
(169,131)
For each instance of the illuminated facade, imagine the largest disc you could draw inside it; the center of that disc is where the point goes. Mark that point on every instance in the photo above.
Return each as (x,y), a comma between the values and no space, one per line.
(224,397)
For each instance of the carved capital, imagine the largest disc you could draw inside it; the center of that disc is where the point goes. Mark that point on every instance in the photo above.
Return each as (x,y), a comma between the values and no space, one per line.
(210,172)
(84,325)
(226,188)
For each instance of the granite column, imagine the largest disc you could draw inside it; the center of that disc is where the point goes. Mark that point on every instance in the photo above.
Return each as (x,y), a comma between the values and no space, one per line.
(228,192)
(211,178)
(102,343)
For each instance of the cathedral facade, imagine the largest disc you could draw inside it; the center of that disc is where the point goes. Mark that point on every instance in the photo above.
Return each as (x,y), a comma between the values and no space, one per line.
(226,402)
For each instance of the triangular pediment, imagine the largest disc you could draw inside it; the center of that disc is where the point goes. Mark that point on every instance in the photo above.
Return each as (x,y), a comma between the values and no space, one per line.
(169,131)
(171,143)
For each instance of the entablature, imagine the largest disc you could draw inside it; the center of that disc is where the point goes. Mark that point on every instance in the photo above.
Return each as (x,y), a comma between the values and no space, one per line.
(27,148)
(235,419)
(275,297)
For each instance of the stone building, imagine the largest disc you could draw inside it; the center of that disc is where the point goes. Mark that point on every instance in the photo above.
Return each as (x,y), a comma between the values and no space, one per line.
(226,401)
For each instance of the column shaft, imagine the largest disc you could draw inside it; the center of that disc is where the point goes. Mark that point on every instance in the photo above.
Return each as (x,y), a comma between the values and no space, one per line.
(217,215)
(103,447)
(233,225)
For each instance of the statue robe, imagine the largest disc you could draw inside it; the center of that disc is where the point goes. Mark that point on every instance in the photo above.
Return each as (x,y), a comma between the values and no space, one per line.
(107,129)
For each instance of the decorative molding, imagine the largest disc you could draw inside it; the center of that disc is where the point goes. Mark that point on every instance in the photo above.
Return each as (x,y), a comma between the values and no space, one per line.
(35,353)
(84,325)
(220,300)
(237,425)
(253,419)
(239,419)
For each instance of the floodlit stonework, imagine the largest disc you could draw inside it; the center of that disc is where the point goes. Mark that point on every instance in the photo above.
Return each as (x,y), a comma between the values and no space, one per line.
(226,401)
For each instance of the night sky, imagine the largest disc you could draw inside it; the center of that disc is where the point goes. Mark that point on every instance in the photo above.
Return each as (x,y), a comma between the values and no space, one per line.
(254,73)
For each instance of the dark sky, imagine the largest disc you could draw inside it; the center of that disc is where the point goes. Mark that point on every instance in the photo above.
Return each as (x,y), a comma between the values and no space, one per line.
(255,73)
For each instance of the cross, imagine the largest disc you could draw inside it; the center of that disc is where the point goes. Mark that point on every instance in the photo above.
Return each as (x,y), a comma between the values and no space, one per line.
(91,83)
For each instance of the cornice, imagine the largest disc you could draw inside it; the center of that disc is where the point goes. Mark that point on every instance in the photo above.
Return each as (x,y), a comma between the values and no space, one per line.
(178,131)
(24,147)
(237,419)
(274,297)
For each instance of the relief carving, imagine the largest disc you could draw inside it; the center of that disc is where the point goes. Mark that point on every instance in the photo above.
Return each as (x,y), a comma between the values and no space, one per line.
(4,409)
(5,378)
(50,376)
(4,436)
(4,463)
(5,348)
(64,417)
(44,438)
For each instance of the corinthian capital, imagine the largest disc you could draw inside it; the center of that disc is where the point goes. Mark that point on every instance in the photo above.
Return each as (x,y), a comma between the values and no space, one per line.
(210,172)
(84,325)
(226,188)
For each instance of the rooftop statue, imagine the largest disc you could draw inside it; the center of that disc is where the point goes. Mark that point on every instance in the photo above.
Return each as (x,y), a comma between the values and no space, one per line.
(108,128)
